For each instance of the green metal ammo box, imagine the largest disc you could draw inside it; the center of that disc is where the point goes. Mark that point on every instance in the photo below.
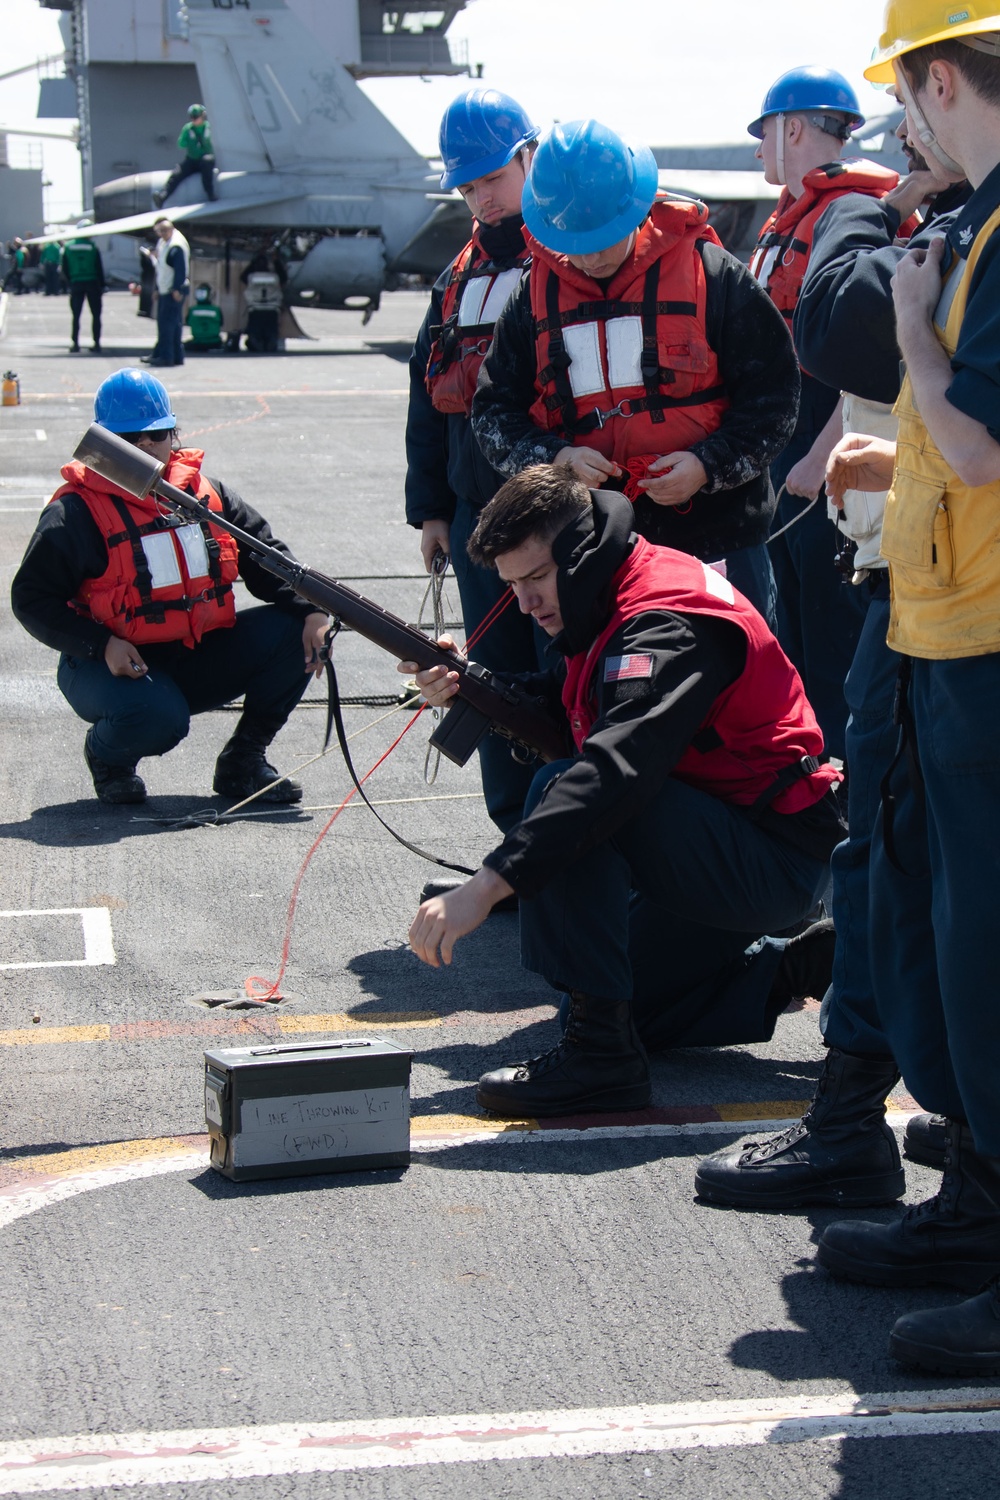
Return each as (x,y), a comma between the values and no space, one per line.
(294,1108)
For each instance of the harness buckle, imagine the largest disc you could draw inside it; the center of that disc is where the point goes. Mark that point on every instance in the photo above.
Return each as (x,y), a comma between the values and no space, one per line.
(623,409)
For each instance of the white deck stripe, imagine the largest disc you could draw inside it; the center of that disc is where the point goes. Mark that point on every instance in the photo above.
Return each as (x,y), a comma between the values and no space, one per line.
(18,1202)
(223,1454)
(98,945)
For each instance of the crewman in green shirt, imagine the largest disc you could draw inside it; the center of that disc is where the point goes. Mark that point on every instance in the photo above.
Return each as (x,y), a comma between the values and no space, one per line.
(196,141)
(84,271)
(13,281)
(49,262)
(204,320)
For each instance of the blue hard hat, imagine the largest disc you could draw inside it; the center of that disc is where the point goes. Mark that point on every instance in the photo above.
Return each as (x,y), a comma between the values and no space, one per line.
(133,401)
(808,91)
(482,130)
(587,189)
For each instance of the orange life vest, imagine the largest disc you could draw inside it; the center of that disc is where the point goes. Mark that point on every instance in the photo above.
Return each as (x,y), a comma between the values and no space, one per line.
(759,743)
(472,302)
(629,370)
(779,262)
(164,581)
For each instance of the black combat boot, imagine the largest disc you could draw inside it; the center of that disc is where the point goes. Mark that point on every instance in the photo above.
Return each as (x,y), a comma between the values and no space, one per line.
(962,1340)
(113,784)
(953,1238)
(924,1139)
(599,1064)
(841,1151)
(242,768)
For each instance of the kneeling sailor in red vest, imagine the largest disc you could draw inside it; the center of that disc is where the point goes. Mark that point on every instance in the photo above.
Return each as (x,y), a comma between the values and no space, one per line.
(142,612)
(696,814)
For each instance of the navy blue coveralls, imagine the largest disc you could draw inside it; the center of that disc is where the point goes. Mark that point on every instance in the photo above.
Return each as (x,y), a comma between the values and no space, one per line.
(934,902)
(847,289)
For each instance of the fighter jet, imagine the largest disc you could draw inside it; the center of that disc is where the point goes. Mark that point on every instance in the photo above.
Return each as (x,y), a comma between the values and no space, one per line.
(311,167)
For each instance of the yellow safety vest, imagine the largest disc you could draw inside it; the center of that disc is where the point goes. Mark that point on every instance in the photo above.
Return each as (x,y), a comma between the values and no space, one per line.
(940,537)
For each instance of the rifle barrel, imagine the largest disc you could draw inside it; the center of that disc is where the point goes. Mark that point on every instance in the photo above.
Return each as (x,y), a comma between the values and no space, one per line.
(513,712)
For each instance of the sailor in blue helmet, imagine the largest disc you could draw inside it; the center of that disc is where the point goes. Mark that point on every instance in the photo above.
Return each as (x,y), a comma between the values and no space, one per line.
(486,144)
(641,353)
(142,612)
(806,118)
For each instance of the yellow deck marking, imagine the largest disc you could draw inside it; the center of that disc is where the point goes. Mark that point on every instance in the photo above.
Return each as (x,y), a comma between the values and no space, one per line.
(766,1109)
(425,1125)
(91,1158)
(385,1020)
(131,1031)
(39,1035)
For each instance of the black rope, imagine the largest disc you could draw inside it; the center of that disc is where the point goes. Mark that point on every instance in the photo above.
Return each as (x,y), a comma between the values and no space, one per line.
(373,700)
(338,720)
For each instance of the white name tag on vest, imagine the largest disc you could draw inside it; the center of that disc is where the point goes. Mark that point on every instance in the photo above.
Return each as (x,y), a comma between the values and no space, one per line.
(162,555)
(485,297)
(624,347)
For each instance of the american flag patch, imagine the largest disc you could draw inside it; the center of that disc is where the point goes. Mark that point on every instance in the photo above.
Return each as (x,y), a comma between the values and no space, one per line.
(627,668)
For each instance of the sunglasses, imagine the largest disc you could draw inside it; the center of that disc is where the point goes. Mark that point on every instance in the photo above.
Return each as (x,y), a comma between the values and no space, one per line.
(137,438)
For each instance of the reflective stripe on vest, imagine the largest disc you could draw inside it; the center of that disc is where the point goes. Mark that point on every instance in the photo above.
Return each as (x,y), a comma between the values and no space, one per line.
(760,741)
(940,537)
(629,370)
(474,298)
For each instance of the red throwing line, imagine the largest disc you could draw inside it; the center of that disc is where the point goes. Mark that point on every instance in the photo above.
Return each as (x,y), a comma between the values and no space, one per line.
(258,988)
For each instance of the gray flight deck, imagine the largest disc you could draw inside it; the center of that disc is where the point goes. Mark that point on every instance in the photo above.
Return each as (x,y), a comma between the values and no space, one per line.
(502,1273)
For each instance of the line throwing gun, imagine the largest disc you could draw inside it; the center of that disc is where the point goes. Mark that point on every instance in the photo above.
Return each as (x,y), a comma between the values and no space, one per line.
(483,703)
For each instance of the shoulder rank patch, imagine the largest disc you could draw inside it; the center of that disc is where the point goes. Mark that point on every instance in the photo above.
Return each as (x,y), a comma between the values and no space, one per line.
(627,668)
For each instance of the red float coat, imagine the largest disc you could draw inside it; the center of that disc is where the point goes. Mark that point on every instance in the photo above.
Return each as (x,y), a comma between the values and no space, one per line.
(760,741)
(779,262)
(628,370)
(163,581)
(472,302)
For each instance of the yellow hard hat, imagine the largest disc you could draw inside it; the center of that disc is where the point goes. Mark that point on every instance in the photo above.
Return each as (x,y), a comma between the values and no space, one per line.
(916,23)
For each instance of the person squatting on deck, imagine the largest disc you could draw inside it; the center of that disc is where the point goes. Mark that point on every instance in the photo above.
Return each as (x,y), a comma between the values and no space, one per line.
(695,815)
(141,609)
(643,354)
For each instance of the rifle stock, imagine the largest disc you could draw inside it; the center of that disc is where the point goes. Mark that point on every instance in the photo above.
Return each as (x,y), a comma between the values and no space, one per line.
(483,703)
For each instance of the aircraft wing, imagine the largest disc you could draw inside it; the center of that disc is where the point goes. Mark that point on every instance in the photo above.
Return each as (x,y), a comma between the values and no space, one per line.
(718,186)
(438,240)
(213,213)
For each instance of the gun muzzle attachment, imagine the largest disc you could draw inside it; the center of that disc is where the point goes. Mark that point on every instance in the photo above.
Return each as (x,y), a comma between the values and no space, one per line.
(122,463)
